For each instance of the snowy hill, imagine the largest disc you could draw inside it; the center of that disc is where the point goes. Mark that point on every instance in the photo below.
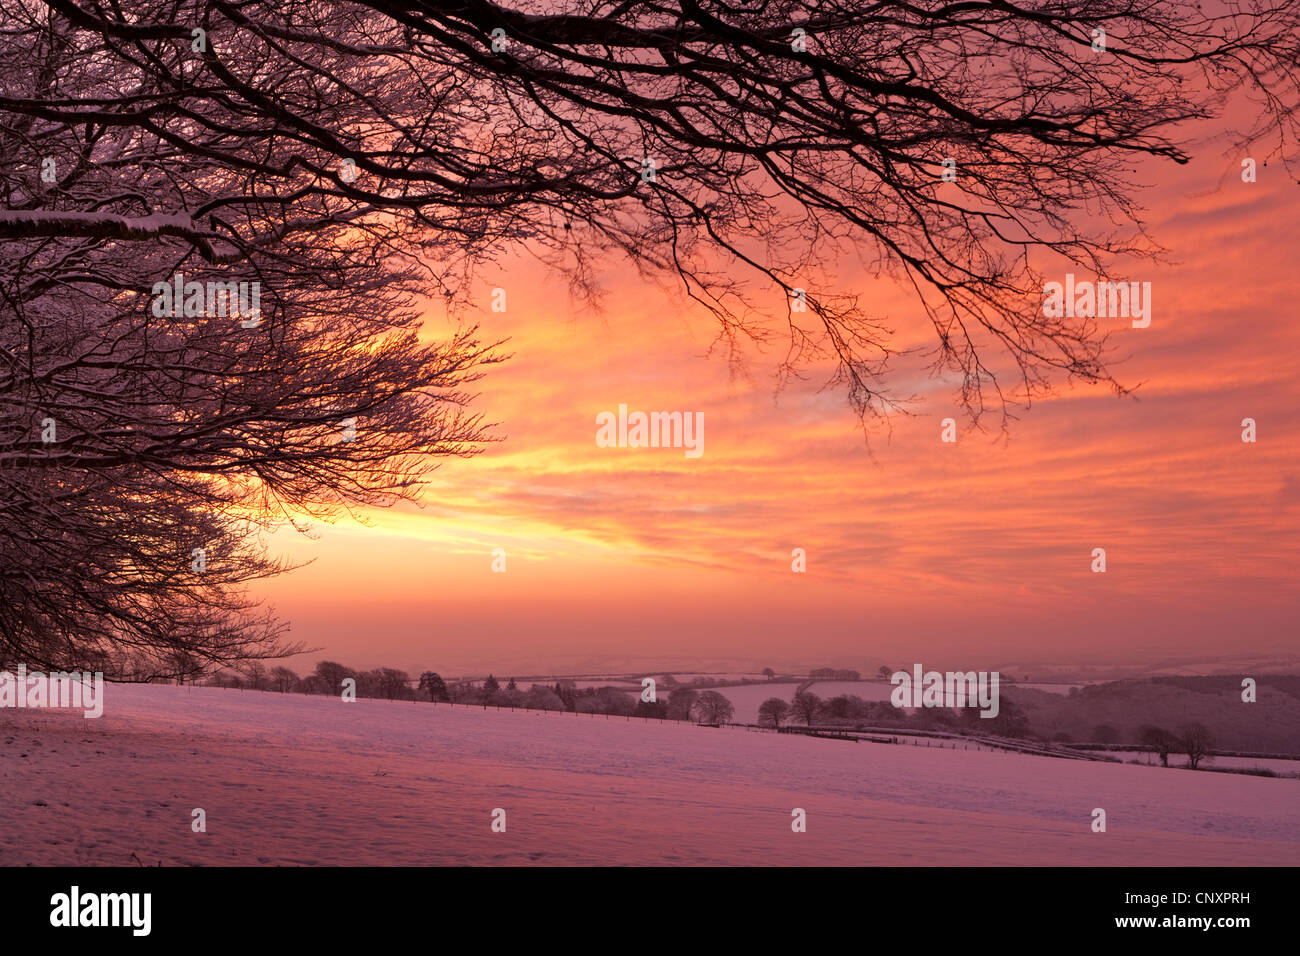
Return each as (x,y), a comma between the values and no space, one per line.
(290,779)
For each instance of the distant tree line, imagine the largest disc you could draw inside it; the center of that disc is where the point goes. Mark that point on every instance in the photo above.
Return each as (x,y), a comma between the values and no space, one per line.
(387,683)
(691,702)
(831,673)
(848,710)
(393,684)
(1193,740)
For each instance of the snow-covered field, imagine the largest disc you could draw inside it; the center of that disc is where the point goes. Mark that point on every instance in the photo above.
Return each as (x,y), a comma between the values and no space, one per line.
(747,698)
(686,678)
(584,684)
(286,779)
(865,689)
(1251,763)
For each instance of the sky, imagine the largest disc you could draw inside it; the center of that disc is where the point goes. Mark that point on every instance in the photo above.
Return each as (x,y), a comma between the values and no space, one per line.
(976,554)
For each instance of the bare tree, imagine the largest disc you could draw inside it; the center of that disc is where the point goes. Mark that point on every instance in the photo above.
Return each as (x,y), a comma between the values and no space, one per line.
(432,682)
(1158,740)
(369,683)
(615,702)
(772,711)
(283,679)
(310,684)
(712,708)
(393,682)
(1195,741)
(330,676)
(466,692)
(254,675)
(806,706)
(146,438)
(765,136)
(681,703)
(541,697)
(184,667)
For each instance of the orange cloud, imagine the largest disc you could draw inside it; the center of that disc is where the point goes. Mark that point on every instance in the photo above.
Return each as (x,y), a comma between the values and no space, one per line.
(980,550)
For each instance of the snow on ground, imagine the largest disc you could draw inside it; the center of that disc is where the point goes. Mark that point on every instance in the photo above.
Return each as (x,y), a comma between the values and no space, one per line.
(687,678)
(880,690)
(288,779)
(866,689)
(618,682)
(1251,763)
(747,698)
(1049,688)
